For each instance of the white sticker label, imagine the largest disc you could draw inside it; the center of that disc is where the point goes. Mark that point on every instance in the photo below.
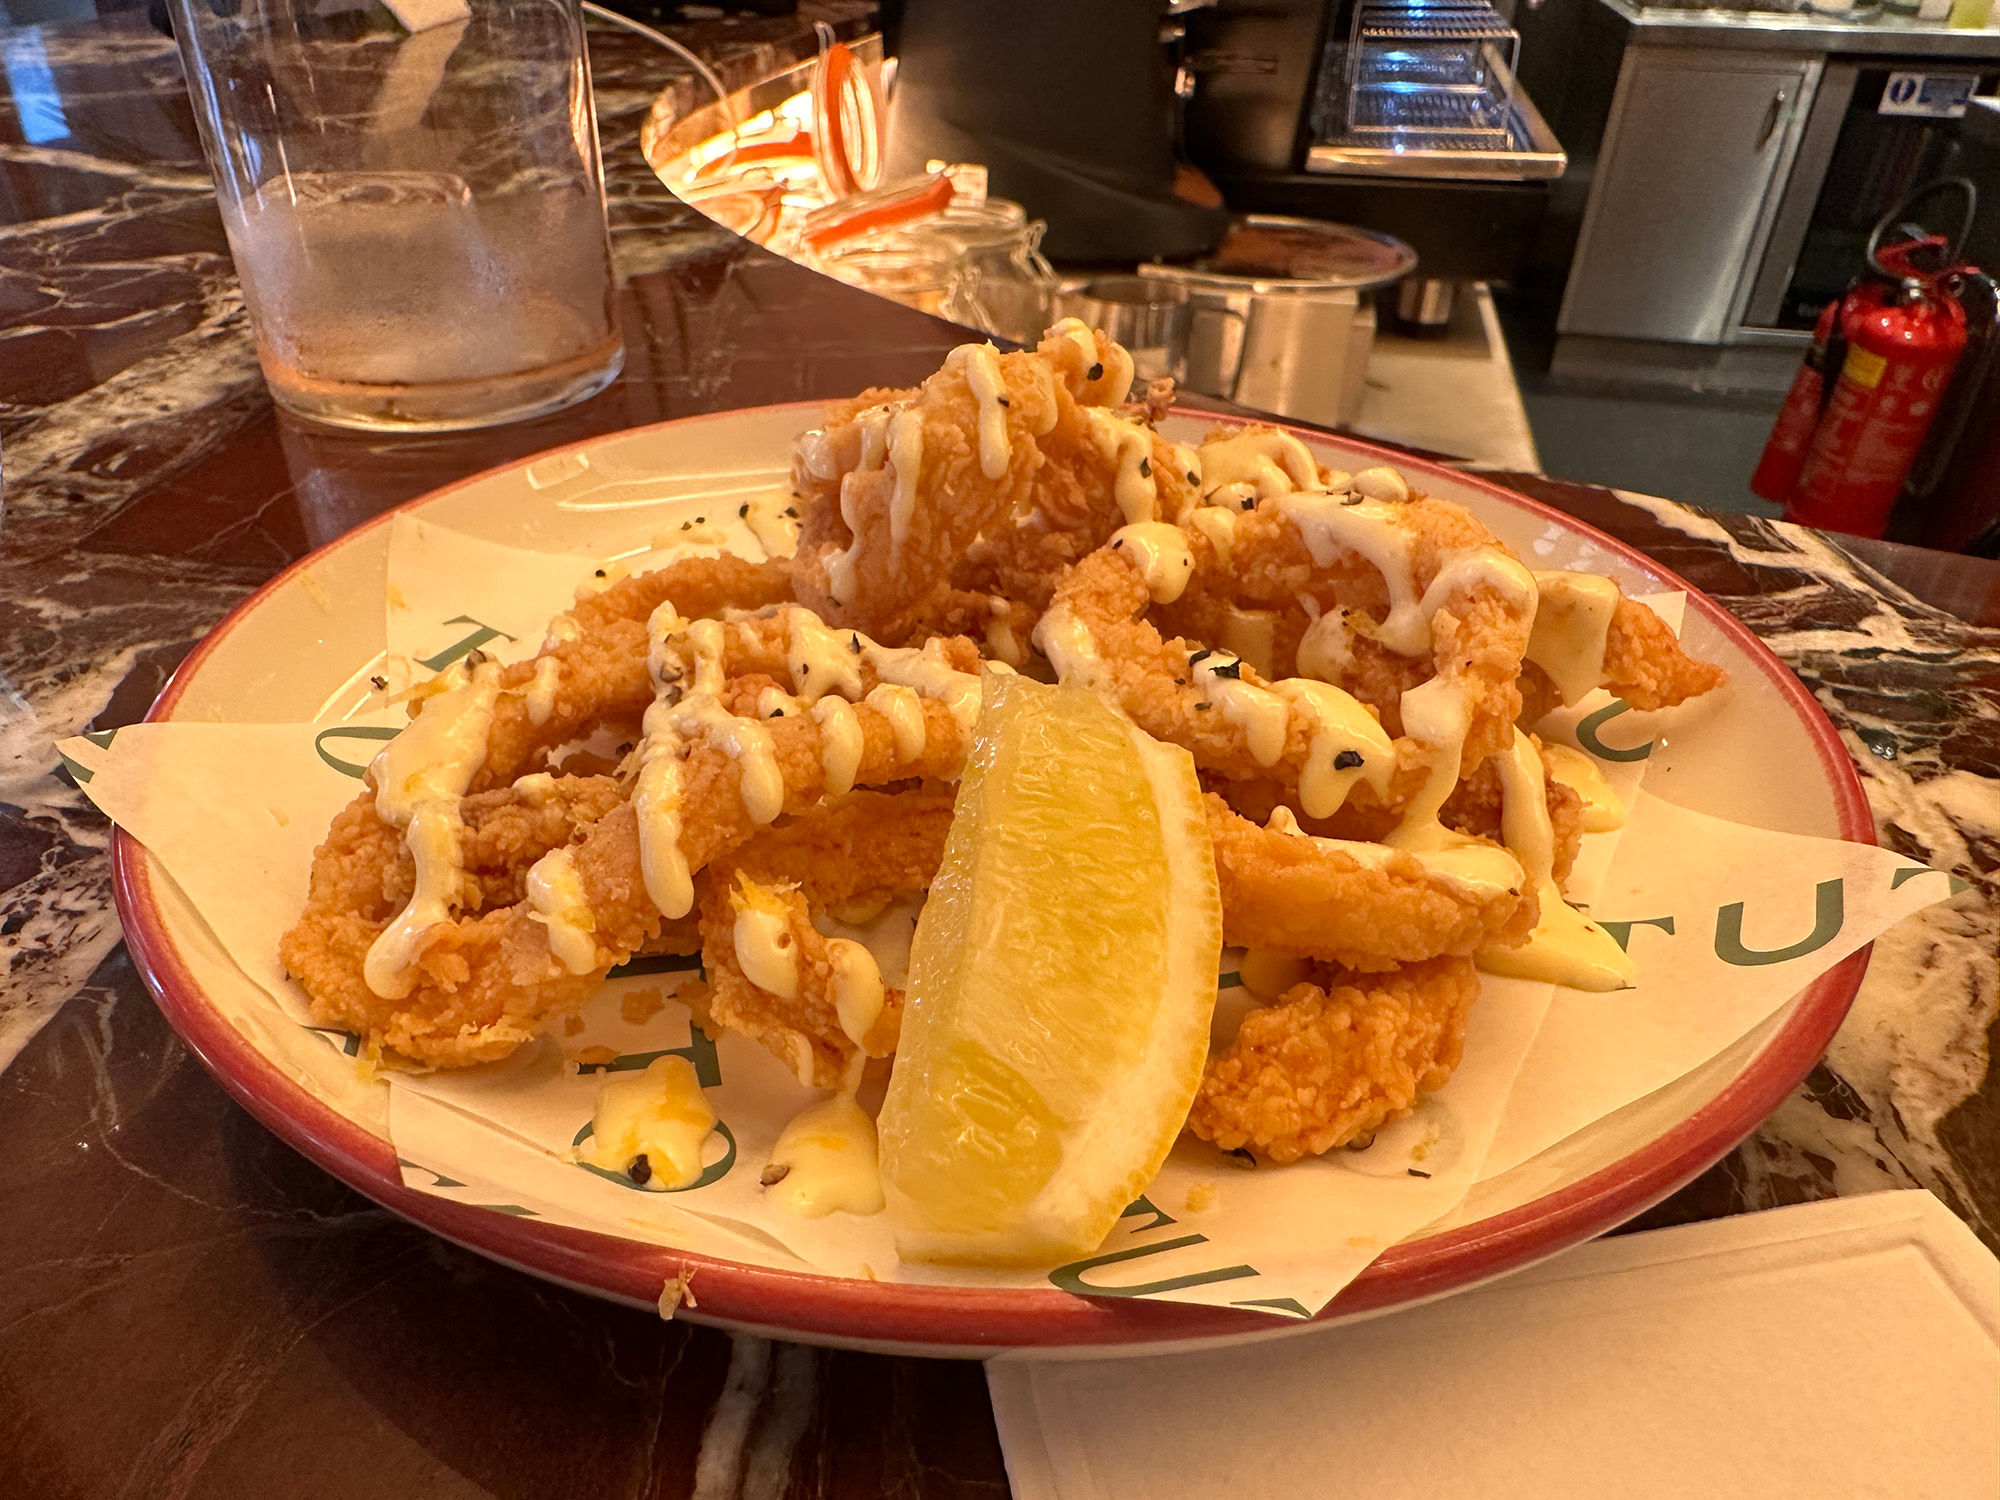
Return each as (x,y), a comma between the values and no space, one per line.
(1935,96)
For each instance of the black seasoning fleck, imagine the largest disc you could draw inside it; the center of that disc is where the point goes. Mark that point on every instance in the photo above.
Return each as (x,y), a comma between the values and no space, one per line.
(776,713)
(1180,682)
(700,520)
(1249,502)
(1119,542)
(686,524)
(774,1174)
(1200,656)
(1193,478)
(1347,760)
(854,644)
(1003,401)
(743,509)
(792,510)
(1095,372)
(1204,705)
(1415,1173)
(1145,468)
(641,1170)
(1231,669)
(600,572)
(380,684)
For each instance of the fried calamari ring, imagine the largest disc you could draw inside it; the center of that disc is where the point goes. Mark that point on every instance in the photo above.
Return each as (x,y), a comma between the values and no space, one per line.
(480,985)
(362,876)
(816,1002)
(592,670)
(921,508)
(1334,1061)
(1293,893)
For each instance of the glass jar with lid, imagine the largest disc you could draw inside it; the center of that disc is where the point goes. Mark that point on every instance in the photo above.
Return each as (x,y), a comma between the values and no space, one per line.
(1004,285)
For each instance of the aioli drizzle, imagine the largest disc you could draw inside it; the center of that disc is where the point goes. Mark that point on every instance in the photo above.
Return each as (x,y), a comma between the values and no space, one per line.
(1565,947)
(825,1161)
(420,779)
(980,364)
(1572,628)
(1162,553)
(661,1115)
(557,900)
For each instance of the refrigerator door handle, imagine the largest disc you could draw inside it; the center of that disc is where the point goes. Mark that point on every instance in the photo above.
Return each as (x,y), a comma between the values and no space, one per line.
(1771,117)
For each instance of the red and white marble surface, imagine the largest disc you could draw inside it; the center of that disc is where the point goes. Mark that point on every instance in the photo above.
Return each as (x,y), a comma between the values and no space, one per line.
(187,1308)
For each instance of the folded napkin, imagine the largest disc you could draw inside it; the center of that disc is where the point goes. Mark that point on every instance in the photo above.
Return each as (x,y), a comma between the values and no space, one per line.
(1843,1348)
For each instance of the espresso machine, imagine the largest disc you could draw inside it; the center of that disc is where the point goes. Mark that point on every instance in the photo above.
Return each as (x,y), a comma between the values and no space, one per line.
(1404,116)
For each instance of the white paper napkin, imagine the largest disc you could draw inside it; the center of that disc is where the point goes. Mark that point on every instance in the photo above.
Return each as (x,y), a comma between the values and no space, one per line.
(1838,1349)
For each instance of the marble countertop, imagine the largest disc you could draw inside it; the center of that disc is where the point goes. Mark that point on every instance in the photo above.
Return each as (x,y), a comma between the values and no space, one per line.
(187,1308)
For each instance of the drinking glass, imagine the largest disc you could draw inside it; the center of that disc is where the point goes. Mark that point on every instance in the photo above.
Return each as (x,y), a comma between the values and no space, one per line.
(414,200)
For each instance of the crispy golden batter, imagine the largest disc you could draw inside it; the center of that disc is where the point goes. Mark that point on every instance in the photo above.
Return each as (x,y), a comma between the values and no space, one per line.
(1294,895)
(1331,1062)
(860,850)
(965,540)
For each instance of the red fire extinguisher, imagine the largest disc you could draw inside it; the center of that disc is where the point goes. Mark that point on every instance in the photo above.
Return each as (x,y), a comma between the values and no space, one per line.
(1777,471)
(1904,333)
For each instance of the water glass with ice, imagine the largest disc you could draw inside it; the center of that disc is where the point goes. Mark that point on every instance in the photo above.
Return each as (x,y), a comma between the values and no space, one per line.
(414,200)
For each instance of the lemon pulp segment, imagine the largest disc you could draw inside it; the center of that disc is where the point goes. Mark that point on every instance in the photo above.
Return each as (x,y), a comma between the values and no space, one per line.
(1061,981)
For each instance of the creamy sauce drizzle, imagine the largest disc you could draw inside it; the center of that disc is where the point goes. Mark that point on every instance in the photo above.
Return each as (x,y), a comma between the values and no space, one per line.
(1436,713)
(686,661)
(420,780)
(840,744)
(1260,713)
(1565,947)
(1603,809)
(1348,745)
(1267,463)
(980,364)
(762,940)
(1162,555)
(1326,650)
(1115,383)
(904,710)
(1218,525)
(540,698)
(1572,628)
(557,900)
(906,457)
(858,993)
(660,1114)
(828,1156)
(776,531)
(1130,446)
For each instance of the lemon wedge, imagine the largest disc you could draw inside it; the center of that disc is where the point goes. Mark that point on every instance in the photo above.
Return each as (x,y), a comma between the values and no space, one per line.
(1061,981)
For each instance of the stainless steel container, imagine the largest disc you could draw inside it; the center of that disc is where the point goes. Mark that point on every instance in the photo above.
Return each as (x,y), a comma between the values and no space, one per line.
(1280,317)
(1145,314)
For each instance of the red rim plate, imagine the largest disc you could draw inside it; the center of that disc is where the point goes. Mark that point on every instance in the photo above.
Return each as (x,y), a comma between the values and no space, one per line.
(804,1305)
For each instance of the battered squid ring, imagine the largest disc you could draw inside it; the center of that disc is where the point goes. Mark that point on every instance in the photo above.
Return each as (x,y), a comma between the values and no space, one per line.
(362,875)
(921,507)
(1096,632)
(1334,1060)
(482,984)
(1294,894)
(1463,605)
(860,850)
(592,670)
